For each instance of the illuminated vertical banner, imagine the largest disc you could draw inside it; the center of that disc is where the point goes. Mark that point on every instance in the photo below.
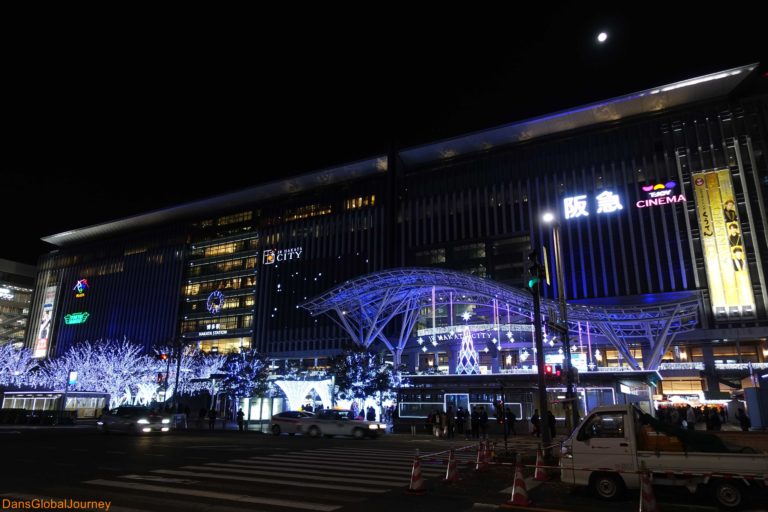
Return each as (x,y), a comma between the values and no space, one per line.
(46,323)
(730,288)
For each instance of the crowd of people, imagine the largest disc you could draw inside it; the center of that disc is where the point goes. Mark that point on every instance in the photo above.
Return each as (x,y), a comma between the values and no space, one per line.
(712,416)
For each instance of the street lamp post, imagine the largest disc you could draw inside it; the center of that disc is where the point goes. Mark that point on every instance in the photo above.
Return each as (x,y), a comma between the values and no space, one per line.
(572,409)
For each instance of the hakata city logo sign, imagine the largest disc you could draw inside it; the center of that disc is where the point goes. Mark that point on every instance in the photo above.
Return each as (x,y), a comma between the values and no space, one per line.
(271,256)
(660,194)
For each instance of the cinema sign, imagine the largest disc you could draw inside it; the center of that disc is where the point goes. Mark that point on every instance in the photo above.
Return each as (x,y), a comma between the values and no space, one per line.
(660,194)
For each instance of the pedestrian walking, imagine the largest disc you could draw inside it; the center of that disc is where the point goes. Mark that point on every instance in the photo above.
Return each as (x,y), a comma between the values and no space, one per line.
(509,420)
(743,420)
(483,423)
(552,424)
(536,423)
(460,419)
(240,419)
(450,422)
(475,422)
(211,419)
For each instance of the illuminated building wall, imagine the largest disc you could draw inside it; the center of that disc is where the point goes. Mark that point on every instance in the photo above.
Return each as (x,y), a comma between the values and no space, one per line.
(627,206)
(132,291)
(16,281)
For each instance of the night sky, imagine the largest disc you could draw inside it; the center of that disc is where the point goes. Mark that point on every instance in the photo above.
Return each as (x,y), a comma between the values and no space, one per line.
(111,124)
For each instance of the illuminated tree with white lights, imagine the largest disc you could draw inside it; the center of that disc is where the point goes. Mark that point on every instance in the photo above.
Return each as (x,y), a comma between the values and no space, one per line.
(16,366)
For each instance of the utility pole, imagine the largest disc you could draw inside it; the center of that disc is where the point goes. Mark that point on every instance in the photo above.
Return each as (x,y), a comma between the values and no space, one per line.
(534,284)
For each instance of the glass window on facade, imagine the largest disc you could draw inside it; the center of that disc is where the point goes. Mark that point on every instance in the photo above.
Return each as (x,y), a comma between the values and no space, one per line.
(225,345)
(468,252)
(429,257)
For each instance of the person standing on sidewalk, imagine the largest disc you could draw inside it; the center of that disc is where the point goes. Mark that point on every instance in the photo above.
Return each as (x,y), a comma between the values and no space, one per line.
(552,424)
(536,422)
(211,419)
(240,419)
(483,423)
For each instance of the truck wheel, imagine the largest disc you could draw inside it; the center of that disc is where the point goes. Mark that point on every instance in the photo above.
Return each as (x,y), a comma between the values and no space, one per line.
(729,494)
(607,486)
(314,431)
(358,433)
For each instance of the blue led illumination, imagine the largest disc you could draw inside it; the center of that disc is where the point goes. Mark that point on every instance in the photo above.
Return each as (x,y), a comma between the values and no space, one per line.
(367,304)
(215,302)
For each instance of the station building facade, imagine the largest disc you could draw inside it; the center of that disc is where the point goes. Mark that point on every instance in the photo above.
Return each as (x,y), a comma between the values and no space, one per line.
(659,196)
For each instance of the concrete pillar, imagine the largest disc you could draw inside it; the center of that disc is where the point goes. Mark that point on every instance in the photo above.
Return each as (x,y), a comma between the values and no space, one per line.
(709,368)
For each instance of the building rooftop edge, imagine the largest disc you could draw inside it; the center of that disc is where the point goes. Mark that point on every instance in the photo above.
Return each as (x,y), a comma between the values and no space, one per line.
(651,100)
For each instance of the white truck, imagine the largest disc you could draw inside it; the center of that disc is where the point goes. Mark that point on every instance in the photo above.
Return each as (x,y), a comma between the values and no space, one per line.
(610,447)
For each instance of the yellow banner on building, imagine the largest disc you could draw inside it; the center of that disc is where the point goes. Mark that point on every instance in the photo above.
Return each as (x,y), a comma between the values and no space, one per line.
(730,288)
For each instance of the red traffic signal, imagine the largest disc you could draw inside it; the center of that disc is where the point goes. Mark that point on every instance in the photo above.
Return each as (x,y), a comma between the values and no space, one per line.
(163,356)
(558,371)
(548,370)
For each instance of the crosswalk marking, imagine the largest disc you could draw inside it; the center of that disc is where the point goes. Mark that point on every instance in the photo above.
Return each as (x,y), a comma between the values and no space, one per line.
(288,483)
(270,480)
(298,464)
(307,475)
(244,498)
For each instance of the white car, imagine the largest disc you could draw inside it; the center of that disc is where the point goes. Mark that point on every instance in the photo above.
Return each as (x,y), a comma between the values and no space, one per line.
(339,422)
(289,422)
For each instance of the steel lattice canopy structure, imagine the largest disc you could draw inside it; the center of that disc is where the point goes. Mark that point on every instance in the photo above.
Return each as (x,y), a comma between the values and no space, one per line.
(366,306)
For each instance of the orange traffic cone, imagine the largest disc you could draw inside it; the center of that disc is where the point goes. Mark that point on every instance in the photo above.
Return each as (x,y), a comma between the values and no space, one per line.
(519,492)
(647,498)
(540,474)
(417,482)
(452,474)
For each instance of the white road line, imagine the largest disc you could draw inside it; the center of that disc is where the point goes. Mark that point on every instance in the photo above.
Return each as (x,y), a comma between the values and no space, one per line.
(242,498)
(159,479)
(299,470)
(245,470)
(205,447)
(288,483)
(344,460)
(371,471)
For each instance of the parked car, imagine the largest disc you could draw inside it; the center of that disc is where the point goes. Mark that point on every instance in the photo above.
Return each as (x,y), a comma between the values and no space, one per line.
(339,422)
(289,422)
(133,420)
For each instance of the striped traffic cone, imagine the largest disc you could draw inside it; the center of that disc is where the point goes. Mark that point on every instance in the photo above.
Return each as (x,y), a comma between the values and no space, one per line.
(519,492)
(417,482)
(452,474)
(647,498)
(540,474)
(490,452)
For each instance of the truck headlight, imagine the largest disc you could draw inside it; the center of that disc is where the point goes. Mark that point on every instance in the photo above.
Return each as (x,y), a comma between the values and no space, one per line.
(143,421)
(166,421)
(373,427)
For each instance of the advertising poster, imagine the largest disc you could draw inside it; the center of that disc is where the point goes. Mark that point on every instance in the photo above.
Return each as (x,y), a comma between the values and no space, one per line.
(725,259)
(46,323)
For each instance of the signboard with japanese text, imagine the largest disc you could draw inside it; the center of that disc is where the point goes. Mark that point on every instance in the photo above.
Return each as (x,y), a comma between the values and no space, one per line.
(730,288)
(46,324)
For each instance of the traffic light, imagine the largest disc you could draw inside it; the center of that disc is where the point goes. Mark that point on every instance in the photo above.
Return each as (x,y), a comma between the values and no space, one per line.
(534,270)
(558,372)
(163,356)
(548,371)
